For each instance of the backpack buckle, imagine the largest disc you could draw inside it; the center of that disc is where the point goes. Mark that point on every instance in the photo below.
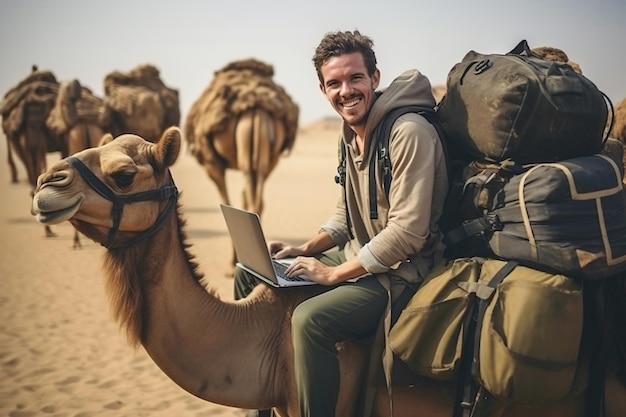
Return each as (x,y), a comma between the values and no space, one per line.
(340,177)
(494,222)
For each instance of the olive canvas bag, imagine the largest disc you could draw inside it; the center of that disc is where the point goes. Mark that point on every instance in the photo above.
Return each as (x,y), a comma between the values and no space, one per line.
(429,332)
(528,341)
(524,346)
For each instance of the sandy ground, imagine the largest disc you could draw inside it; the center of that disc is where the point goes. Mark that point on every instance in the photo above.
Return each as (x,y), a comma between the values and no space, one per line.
(62,355)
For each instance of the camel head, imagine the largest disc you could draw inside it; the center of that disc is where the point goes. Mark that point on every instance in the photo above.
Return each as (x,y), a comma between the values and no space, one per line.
(116,193)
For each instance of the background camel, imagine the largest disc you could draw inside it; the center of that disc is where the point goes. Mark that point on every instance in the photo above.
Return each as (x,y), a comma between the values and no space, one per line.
(232,353)
(24,111)
(139,102)
(242,121)
(76,118)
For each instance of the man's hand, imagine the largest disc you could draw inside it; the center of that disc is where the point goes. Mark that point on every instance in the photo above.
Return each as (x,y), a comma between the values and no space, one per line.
(280,250)
(313,269)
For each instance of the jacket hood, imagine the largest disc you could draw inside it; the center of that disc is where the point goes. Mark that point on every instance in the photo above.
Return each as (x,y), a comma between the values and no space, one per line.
(409,88)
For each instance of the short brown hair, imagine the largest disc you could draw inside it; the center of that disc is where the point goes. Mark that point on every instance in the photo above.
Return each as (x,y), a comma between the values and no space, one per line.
(340,43)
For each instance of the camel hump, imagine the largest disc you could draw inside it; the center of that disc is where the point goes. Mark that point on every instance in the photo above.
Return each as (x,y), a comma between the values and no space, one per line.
(619,127)
(237,88)
(118,87)
(75,103)
(251,64)
(39,88)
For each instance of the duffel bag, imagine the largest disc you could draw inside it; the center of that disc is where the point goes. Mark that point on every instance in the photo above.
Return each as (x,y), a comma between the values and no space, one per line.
(567,216)
(520,106)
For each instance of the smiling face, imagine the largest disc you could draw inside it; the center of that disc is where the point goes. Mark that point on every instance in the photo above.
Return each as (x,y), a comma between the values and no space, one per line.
(349,88)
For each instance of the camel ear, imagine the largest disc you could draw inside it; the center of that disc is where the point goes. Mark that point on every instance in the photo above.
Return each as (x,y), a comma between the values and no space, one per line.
(106,139)
(168,146)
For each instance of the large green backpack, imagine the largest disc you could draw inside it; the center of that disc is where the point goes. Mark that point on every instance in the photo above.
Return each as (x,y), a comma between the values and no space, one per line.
(518,105)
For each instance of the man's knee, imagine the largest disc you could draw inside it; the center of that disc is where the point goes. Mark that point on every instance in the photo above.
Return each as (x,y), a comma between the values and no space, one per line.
(305,324)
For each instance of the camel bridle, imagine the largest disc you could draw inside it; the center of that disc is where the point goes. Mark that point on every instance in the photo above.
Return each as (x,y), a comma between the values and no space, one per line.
(167,192)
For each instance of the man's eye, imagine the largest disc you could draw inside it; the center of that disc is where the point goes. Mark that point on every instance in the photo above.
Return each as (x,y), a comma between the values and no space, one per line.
(124,179)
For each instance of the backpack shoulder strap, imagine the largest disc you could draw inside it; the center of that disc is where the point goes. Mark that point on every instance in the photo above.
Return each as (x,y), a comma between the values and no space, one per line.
(340,178)
(381,136)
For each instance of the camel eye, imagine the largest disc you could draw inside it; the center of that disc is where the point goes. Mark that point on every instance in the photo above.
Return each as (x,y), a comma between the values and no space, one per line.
(124,179)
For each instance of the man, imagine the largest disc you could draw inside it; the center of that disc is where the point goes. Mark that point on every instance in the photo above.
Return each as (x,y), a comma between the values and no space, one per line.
(398,246)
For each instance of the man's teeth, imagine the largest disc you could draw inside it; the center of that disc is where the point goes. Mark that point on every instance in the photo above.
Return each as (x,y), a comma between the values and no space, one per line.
(351,103)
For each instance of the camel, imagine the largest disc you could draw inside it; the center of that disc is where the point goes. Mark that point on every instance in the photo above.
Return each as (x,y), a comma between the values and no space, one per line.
(242,121)
(139,102)
(75,119)
(24,110)
(235,353)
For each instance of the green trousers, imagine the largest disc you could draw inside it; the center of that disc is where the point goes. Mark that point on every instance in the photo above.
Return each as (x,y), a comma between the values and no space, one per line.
(349,311)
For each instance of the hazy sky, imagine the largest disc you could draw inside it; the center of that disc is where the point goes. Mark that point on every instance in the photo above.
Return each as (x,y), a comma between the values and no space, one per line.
(190,39)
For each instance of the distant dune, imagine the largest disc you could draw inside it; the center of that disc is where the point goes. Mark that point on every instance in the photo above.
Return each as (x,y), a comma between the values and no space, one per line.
(326,123)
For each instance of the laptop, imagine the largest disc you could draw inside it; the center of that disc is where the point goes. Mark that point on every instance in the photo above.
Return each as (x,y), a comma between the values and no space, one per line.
(252,252)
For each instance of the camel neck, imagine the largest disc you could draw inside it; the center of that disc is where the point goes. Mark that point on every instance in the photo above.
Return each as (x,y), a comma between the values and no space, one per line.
(187,330)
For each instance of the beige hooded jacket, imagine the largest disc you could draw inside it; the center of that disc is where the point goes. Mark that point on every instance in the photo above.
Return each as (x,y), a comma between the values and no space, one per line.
(403,240)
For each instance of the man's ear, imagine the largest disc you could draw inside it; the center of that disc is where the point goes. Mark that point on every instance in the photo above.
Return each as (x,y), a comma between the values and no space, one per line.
(376,78)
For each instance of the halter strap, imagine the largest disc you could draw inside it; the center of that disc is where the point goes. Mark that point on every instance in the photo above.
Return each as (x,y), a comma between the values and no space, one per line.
(167,192)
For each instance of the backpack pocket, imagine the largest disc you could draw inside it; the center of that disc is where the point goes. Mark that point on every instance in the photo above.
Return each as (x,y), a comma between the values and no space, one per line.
(428,335)
(530,338)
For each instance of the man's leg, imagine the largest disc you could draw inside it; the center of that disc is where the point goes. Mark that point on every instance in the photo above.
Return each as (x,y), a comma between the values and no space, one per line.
(349,311)
(244,283)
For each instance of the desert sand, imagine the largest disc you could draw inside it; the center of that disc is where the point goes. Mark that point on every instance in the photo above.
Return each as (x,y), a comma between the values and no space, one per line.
(61,354)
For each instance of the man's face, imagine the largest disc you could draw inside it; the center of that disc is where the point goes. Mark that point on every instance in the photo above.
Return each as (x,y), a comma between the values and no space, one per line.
(348,88)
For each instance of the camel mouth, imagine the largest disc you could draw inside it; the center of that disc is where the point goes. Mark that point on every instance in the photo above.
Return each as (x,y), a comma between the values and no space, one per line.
(58,215)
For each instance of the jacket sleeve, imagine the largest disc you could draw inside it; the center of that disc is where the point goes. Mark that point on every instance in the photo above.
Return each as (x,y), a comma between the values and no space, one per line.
(414,155)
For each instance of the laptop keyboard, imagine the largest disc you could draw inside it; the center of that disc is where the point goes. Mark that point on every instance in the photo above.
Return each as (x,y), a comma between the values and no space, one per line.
(280,269)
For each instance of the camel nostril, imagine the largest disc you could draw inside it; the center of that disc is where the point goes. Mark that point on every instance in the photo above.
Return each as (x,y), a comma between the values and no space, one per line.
(55,179)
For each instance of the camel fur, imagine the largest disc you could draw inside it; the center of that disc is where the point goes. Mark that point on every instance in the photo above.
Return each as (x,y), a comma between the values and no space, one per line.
(619,129)
(550,53)
(619,125)
(236,353)
(242,121)
(139,102)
